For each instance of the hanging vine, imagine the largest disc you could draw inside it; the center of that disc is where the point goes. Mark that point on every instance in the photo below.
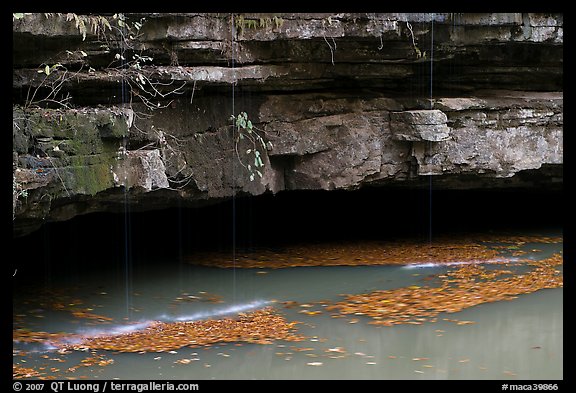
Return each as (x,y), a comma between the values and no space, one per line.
(245,130)
(417,51)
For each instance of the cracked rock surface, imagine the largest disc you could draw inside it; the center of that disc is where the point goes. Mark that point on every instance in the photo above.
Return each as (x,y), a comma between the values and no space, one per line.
(139,108)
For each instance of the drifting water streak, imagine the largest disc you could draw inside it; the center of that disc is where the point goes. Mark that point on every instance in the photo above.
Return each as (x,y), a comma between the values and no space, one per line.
(440,264)
(214,313)
(115,330)
(126,329)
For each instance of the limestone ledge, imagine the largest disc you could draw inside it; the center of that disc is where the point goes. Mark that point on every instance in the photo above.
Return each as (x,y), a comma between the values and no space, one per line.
(341,100)
(314,141)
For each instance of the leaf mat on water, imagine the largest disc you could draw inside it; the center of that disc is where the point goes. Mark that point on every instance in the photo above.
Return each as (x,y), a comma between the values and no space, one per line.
(261,327)
(45,371)
(393,252)
(460,288)
(24,372)
(55,300)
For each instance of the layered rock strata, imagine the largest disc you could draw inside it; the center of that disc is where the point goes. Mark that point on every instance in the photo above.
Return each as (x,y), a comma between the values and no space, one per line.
(110,109)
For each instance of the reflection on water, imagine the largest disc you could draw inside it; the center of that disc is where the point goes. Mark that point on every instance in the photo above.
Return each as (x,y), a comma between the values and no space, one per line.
(517,339)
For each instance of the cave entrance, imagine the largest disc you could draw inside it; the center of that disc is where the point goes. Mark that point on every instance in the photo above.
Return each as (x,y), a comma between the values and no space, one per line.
(295,216)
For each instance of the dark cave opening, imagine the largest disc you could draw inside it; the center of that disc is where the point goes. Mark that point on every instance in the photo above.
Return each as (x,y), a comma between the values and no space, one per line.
(288,217)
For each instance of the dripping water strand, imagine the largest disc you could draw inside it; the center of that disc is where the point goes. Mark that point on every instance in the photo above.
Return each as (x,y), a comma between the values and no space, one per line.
(127,255)
(431,56)
(127,224)
(429,142)
(180,254)
(232,162)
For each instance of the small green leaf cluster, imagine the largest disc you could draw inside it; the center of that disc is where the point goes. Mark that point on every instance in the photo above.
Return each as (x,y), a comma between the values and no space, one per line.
(18,190)
(132,29)
(49,69)
(419,53)
(19,15)
(246,131)
(97,23)
(138,60)
(247,23)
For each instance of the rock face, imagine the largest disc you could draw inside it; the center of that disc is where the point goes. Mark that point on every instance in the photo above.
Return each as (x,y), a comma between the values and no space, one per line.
(137,108)
(419,125)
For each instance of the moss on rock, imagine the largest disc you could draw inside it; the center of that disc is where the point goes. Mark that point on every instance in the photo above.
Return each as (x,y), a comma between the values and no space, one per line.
(84,177)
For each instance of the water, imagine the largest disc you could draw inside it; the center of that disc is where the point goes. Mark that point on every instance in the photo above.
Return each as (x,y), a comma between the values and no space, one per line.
(516,339)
